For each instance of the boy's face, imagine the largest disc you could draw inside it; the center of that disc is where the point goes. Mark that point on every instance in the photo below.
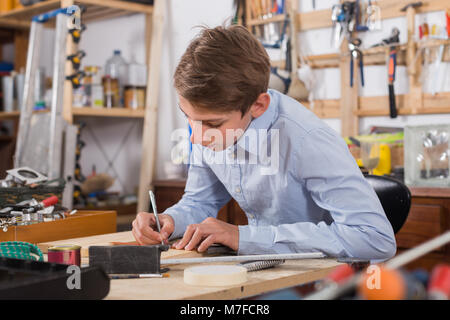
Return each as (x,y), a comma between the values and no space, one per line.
(218,131)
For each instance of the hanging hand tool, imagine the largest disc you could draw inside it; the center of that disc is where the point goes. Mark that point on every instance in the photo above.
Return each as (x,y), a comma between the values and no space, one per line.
(343,18)
(391,78)
(356,55)
(392,41)
(76,79)
(76,59)
(76,33)
(359,16)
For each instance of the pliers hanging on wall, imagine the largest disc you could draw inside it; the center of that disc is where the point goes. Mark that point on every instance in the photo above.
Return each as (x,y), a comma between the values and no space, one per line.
(357,55)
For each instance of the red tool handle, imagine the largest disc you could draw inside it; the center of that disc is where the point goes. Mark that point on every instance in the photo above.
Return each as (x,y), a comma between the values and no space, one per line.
(448,22)
(50,201)
(440,280)
(340,273)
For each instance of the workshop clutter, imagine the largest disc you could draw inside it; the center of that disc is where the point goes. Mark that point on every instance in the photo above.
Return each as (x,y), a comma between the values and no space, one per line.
(117,85)
(427,154)
(380,283)
(379,152)
(26,197)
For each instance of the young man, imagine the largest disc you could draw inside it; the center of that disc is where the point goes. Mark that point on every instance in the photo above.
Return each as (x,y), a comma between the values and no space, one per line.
(308,195)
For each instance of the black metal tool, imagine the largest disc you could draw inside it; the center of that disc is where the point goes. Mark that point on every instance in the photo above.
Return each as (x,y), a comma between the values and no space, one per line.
(128,259)
(392,42)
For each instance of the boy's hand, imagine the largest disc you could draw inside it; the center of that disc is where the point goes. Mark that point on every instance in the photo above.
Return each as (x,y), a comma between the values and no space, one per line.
(144,227)
(210,231)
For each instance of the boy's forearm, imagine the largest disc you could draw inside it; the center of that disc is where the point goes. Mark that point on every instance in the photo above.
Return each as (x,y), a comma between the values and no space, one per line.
(366,243)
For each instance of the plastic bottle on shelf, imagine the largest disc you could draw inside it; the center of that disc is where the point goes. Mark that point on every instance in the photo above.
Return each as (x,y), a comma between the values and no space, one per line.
(135,86)
(115,71)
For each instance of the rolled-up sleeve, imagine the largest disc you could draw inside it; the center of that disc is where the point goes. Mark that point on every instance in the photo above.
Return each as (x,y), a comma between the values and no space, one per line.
(359,228)
(203,197)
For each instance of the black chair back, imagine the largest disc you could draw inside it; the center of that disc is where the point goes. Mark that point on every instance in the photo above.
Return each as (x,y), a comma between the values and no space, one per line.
(395,198)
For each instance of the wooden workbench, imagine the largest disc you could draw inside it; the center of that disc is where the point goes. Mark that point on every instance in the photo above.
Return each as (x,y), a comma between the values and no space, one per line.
(291,273)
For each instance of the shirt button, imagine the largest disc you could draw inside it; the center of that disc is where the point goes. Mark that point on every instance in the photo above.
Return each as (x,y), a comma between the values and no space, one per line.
(238,190)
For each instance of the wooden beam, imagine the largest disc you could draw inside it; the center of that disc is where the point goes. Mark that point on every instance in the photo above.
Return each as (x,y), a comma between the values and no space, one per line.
(325,109)
(149,139)
(275,18)
(349,96)
(71,48)
(379,105)
(122,5)
(21,38)
(415,96)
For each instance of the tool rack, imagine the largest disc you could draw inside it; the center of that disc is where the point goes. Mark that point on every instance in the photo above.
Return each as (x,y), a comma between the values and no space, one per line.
(351,106)
(15,24)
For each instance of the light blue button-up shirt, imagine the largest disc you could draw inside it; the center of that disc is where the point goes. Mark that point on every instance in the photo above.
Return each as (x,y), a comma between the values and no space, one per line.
(304,192)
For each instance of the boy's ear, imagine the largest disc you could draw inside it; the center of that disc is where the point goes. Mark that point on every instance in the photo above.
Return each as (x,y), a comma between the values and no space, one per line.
(260,106)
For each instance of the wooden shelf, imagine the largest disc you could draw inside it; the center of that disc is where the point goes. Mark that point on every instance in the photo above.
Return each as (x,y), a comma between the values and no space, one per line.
(95,10)
(88,112)
(9,115)
(108,112)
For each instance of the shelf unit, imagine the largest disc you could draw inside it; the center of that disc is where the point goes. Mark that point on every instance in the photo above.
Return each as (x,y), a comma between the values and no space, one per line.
(18,21)
(351,106)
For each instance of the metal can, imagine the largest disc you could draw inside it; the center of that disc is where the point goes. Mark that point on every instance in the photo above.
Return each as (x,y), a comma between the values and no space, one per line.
(65,254)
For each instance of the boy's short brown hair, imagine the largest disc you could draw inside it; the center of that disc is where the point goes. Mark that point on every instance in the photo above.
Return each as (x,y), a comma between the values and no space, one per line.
(223,69)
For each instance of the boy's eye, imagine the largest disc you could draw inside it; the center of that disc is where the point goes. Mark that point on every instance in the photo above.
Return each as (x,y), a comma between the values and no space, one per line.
(213,125)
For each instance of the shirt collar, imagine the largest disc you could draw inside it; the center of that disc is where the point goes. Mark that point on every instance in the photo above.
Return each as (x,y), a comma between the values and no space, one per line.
(263,122)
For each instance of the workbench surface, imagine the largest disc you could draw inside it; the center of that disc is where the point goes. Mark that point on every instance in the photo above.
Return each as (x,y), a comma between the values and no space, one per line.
(291,273)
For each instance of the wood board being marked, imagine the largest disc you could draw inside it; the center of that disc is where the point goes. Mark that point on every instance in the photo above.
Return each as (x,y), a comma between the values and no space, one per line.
(108,239)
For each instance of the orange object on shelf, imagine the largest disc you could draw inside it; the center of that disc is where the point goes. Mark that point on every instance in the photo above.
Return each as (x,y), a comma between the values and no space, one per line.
(17,4)
(6,5)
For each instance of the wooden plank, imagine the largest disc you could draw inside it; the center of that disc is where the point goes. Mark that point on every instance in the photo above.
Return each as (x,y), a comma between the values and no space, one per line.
(314,20)
(108,112)
(21,38)
(151,113)
(107,239)
(321,61)
(109,14)
(71,48)
(423,224)
(389,9)
(82,224)
(430,192)
(15,23)
(275,18)
(27,12)
(379,105)
(372,56)
(325,109)
(122,5)
(349,96)
(9,115)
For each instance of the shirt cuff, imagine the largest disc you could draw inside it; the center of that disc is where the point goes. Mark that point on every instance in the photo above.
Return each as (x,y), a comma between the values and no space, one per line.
(256,240)
(179,224)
